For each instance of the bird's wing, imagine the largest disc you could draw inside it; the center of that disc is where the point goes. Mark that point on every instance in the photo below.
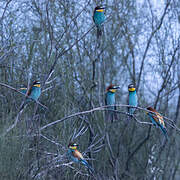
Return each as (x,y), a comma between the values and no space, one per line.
(154,116)
(23,90)
(160,119)
(164,130)
(106,99)
(115,108)
(93,18)
(127,101)
(30,90)
(77,154)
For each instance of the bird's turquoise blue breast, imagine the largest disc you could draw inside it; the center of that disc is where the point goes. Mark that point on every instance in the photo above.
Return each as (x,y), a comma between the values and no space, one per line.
(132,98)
(132,101)
(71,157)
(35,93)
(110,99)
(99,18)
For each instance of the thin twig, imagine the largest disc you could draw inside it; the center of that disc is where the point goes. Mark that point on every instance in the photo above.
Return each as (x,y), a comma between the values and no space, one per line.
(5,10)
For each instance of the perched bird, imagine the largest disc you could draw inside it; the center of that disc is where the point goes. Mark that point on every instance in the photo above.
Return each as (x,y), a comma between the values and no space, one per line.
(75,156)
(157,120)
(32,93)
(133,101)
(110,100)
(99,18)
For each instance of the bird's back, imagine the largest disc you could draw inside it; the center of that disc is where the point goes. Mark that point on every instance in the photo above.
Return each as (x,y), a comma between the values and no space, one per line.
(23,90)
(160,118)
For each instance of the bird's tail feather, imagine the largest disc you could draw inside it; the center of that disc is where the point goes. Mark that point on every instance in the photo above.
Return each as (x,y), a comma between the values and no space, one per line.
(130,116)
(108,116)
(111,116)
(99,32)
(129,119)
(87,165)
(115,116)
(164,130)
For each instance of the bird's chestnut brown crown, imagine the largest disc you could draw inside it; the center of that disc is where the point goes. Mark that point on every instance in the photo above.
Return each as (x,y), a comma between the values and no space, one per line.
(112,88)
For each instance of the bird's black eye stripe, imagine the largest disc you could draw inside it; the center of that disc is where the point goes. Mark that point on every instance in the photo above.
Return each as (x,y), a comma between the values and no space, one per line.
(73,145)
(131,86)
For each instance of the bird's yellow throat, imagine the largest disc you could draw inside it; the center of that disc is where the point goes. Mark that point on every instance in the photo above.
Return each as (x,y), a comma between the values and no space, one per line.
(37,85)
(132,89)
(73,147)
(112,90)
(100,10)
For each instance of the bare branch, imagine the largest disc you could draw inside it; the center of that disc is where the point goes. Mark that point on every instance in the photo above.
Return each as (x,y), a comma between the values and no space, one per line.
(1,19)
(104,108)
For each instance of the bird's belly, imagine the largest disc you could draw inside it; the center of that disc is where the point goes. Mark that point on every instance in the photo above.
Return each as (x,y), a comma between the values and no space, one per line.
(99,19)
(35,94)
(133,100)
(111,101)
(74,159)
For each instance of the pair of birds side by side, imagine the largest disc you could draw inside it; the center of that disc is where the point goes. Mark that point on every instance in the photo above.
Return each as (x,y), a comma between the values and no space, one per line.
(155,117)
(32,93)
(99,18)
(110,100)
(75,156)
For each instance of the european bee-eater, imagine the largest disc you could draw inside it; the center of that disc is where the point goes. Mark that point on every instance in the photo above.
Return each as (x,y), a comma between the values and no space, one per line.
(32,93)
(157,120)
(99,18)
(133,101)
(75,156)
(110,100)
